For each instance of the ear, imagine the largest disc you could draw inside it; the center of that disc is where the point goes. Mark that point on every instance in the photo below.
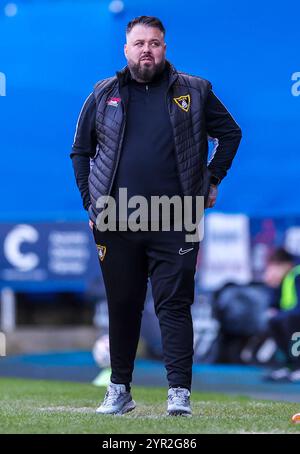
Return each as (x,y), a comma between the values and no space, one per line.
(125,50)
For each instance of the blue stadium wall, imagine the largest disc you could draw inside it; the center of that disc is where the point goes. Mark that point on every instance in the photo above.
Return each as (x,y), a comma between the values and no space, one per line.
(52,53)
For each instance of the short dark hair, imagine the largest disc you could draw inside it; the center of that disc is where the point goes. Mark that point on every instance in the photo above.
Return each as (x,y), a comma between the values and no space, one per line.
(281,255)
(149,21)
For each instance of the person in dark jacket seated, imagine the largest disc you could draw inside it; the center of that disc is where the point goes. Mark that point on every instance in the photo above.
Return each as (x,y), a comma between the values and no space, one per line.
(283,276)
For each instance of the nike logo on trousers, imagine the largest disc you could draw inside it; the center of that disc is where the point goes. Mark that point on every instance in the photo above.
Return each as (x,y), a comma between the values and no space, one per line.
(184,251)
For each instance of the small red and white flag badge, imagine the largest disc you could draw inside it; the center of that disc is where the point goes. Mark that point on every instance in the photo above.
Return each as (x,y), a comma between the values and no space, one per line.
(184,102)
(101,252)
(114,102)
(296,418)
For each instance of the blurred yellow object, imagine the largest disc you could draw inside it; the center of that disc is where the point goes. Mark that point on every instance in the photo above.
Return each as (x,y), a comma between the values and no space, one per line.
(103,379)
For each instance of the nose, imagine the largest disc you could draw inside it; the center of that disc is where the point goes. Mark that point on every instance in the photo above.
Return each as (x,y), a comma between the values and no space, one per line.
(146,48)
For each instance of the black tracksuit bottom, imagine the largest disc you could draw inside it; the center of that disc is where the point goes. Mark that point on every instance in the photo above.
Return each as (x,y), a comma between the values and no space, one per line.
(169,261)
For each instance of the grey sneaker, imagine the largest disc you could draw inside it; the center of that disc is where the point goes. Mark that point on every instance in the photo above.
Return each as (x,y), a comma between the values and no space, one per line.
(117,401)
(278,375)
(294,376)
(179,402)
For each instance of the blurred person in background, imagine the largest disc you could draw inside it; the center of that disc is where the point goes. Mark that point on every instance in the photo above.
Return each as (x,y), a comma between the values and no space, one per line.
(283,276)
(146,130)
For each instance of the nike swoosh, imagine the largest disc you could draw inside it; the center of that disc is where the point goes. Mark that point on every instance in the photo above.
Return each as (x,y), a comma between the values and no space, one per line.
(184,251)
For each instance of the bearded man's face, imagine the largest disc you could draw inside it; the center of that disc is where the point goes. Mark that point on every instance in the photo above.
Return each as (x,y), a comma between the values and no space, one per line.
(145,52)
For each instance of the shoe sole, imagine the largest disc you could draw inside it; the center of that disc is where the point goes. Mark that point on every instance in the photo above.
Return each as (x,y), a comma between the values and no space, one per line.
(126,409)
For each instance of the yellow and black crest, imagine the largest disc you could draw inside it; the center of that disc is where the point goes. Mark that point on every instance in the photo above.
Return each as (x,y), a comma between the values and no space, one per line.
(183,102)
(101,251)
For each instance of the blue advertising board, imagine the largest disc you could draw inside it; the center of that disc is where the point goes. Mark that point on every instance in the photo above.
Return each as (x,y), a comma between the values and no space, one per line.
(48,256)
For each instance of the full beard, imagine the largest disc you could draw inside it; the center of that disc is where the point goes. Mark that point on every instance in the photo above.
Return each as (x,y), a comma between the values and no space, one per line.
(144,73)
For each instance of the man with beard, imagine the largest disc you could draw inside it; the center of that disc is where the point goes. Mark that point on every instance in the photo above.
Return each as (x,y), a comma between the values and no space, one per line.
(146,130)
